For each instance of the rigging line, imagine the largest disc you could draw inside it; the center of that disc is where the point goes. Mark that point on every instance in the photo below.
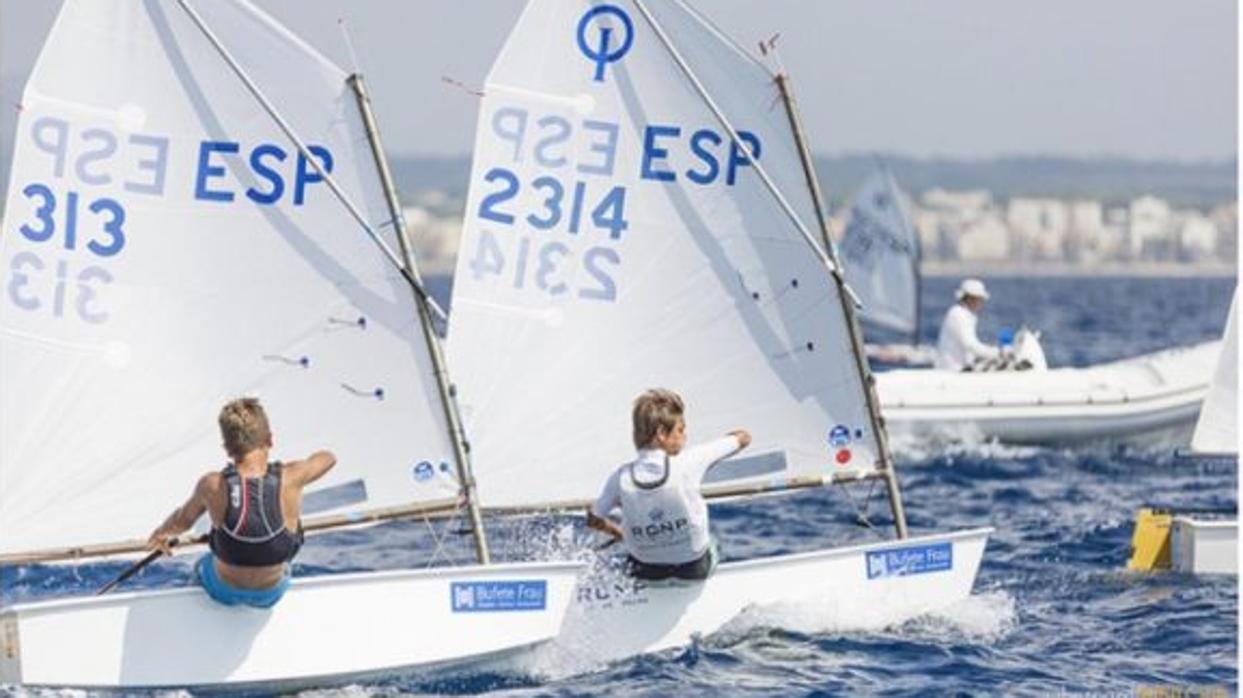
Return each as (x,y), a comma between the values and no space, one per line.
(769,184)
(439,537)
(473,91)
(861,512)
(326,176)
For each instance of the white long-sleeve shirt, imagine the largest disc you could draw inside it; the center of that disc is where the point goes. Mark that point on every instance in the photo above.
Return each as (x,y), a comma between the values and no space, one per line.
(664,516)
(957,345)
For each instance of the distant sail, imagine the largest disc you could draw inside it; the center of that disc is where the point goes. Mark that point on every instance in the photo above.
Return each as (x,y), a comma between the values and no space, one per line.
(166,248)
(880,251)
(616,240)
(1217,429)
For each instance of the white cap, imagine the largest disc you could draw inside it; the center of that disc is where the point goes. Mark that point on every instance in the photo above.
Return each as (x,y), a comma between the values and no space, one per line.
(971,287)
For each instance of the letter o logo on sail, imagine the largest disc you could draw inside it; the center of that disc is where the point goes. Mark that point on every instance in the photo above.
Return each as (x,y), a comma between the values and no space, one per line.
(600,52)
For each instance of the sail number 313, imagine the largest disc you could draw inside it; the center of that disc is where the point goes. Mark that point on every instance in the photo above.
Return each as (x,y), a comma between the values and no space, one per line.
(529,258)
(55,222)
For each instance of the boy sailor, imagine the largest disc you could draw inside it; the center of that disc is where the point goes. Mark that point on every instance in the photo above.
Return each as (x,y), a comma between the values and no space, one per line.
(255,508)
(664,519)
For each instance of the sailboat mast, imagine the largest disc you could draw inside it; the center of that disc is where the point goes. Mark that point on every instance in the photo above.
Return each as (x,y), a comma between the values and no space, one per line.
(856,335)
(809,171)
(313,161)
(845,295)
(448,399)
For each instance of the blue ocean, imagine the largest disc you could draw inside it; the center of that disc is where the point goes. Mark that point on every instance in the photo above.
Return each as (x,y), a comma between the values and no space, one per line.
(1053,612)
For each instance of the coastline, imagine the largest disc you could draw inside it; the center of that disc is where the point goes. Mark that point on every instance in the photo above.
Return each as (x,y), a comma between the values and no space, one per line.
(1010,268)
(444,265)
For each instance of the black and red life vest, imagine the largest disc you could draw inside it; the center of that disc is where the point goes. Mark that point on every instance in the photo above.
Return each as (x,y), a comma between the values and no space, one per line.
(253,533)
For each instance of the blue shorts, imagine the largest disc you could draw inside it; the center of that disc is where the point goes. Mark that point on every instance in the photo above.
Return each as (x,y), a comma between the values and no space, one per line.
(223,592)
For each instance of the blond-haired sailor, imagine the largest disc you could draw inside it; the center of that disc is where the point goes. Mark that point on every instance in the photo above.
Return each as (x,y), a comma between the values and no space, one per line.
(255,507)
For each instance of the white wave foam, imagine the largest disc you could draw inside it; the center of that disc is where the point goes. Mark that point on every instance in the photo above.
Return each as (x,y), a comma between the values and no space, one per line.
(983,617)
(913,446)
(350,691)
(584,644)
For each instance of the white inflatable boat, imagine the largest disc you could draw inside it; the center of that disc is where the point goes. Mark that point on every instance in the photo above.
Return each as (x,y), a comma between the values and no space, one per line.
(1154,398)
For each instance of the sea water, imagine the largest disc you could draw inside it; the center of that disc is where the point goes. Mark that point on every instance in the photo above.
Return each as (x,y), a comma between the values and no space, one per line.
(1053,612)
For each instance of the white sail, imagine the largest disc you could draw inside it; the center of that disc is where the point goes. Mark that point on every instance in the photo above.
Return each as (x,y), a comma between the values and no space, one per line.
(166,248)
(1217,430)
(880,251)
(616,240)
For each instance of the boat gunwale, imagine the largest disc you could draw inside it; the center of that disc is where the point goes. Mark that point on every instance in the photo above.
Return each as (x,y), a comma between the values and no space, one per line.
(951,536)
(311,581)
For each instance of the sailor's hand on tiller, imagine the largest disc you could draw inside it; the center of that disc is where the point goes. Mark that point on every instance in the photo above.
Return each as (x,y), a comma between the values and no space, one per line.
(743,436)
(161,541)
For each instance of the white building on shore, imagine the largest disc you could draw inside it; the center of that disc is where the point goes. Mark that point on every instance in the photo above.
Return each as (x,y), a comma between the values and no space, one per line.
(1039,227)
(1197,237)
(1151,229)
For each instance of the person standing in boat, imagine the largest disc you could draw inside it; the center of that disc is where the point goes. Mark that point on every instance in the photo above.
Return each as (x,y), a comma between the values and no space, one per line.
(958,348)
(255,508)
(664,519)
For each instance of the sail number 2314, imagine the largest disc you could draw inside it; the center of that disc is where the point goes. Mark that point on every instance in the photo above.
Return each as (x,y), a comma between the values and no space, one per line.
(535,210)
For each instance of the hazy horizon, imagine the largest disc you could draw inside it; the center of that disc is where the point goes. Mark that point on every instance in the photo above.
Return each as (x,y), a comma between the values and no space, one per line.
(970,80)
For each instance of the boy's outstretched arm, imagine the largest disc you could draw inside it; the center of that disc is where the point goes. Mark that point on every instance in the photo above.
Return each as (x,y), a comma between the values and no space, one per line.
(305,472)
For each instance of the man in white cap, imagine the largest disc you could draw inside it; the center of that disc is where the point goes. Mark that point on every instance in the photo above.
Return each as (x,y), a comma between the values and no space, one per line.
(957,346)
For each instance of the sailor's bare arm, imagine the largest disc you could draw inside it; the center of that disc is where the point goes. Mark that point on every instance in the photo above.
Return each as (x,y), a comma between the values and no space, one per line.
(184,516)
(304,472)
(602,524)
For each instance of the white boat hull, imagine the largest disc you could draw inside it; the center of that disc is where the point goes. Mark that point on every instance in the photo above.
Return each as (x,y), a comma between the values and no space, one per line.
(325,630)
(623,617)
(1150,398)
(1200,546)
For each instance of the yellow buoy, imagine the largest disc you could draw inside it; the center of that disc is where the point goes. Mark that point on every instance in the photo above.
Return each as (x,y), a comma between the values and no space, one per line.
(1150,544)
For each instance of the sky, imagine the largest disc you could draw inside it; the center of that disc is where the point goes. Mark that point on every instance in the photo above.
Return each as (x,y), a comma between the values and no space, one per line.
(1145,79)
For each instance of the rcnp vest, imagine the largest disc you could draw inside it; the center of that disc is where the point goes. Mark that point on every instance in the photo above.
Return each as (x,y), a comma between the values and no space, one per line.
(665,523)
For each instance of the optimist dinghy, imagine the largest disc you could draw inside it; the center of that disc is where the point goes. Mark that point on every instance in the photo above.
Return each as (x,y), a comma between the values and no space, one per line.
(880,251)
(167,246)
(1201,542)
(638,216)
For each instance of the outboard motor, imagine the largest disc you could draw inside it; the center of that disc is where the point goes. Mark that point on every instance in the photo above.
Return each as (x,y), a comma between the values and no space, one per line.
(1028,354)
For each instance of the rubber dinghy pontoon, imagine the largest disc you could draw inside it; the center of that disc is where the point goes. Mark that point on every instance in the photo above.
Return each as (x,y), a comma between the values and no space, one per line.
(681,257)
(1152,397)
(198,277)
